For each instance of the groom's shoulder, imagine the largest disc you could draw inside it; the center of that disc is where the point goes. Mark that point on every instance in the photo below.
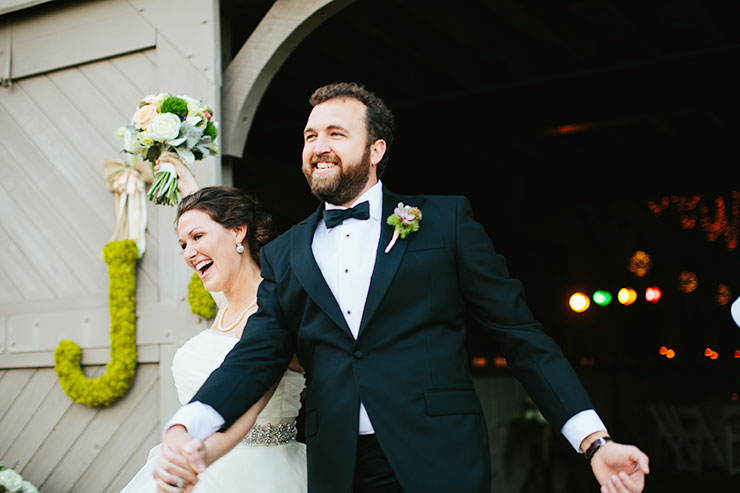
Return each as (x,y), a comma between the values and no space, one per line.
(433,200)
(282,243)
(441,205)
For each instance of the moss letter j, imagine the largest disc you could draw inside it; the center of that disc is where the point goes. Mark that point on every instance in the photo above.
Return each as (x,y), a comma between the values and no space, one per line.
(121,257)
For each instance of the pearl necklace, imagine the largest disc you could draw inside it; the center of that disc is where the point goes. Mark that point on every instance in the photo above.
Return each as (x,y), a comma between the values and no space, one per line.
(238,319)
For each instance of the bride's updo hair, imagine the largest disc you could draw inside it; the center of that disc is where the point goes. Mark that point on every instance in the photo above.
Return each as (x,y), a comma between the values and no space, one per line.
(232,207)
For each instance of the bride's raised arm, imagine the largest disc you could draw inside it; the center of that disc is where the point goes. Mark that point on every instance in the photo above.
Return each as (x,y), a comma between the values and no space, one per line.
(186,184)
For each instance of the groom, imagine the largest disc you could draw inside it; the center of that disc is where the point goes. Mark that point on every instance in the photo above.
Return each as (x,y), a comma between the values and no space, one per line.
(390,404)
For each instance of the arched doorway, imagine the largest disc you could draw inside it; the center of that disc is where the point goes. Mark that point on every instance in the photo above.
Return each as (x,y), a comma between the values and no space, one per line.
(560,123)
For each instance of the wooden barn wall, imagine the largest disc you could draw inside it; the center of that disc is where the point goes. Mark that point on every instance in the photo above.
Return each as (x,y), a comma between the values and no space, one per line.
(56,218)
(78,70)
(62,446)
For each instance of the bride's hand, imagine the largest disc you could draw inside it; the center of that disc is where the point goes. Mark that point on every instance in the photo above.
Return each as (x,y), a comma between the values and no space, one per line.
(172,471)
(186,183)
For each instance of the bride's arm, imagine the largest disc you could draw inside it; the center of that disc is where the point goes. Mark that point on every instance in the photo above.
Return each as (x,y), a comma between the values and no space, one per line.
(186,185)
(218,444)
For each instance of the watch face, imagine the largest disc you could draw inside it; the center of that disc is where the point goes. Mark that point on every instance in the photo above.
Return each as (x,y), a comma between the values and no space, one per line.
(595,446)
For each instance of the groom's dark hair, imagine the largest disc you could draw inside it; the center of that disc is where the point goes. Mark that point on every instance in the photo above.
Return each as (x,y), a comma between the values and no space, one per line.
(379,119)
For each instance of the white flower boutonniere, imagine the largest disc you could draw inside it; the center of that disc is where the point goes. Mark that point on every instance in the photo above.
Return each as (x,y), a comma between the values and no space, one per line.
(405,219)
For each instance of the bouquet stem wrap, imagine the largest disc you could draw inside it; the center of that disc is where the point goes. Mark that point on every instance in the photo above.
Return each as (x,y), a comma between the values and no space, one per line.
(164,187)
(121,257)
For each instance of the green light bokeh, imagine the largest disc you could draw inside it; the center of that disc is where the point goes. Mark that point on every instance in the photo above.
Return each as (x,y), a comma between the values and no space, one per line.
(602,298)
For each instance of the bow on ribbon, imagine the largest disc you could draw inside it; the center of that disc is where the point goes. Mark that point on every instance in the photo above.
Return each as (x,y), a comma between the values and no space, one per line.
(128,183)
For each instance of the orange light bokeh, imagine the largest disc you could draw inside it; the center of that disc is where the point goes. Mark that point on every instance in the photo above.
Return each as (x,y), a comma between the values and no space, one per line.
(627,296)
(579,302)
(500,362)
(480,362)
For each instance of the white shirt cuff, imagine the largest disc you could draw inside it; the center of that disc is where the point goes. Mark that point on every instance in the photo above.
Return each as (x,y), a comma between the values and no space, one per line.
(735,311)
(201,420)
(581,425)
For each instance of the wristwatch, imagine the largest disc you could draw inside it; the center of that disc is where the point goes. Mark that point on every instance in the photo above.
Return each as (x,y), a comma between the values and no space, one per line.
(596,445)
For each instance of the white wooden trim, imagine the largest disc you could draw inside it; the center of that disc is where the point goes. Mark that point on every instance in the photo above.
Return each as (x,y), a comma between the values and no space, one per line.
(13,5)
(285,25)
(192,28)
(168,401)
(69,34)
(148,353)
(90,327)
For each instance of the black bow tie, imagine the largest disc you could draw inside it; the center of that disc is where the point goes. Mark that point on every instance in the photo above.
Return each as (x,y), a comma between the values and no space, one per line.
(334,217)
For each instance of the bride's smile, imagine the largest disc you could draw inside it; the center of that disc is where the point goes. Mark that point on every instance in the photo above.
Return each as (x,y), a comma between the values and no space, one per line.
(209,249)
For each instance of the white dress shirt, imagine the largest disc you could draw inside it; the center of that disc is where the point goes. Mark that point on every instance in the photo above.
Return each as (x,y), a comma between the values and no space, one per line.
(345,255)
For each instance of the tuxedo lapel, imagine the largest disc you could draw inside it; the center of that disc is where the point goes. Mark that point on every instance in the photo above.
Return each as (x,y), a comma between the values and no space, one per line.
(308,272)
(386,264)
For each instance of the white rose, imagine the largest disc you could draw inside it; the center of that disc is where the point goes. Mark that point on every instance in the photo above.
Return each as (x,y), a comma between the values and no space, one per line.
(11,480)
(195,107)
(145,140)
(164,127)
(29,488)
(156,99)
(131,143)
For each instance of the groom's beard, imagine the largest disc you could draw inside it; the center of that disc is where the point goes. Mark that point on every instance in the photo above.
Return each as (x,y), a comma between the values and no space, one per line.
(345,185)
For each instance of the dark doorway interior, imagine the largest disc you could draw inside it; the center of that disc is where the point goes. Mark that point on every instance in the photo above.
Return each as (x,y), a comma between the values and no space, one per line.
(561,122)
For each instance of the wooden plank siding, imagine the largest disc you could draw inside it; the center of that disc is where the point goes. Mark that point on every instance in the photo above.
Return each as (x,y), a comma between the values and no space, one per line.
(62,446)
(56,217)
(70,33)
(52,156)
(79,69)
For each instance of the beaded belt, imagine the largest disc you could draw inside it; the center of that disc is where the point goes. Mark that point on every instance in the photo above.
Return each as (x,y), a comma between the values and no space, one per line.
(270,434)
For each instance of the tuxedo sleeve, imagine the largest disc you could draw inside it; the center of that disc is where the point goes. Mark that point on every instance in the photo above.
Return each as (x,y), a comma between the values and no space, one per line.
(496,303)
(258,360)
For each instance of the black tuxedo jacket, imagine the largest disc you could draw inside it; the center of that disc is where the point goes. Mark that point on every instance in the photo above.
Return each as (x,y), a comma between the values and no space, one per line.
(409,364)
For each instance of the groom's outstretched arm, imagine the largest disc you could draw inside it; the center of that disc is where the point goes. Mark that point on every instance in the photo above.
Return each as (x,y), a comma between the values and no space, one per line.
(258,360)
(496,302)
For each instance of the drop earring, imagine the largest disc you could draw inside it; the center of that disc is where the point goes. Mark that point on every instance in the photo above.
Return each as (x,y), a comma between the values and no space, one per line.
(239,248)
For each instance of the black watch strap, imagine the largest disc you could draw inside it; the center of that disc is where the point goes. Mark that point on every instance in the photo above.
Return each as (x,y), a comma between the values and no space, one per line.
(596,445)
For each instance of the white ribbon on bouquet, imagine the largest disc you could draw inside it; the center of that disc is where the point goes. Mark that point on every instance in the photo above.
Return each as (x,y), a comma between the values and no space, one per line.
(128,183)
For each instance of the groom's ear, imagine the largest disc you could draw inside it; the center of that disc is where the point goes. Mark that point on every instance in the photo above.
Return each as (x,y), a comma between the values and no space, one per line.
(377,151)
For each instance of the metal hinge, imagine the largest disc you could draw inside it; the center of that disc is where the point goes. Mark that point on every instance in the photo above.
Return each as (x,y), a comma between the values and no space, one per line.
(5,52)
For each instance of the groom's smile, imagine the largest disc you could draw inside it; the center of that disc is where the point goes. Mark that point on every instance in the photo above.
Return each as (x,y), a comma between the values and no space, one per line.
(338,162)
(324,165)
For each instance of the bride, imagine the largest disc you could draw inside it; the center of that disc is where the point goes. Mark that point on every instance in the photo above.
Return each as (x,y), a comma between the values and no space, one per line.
(221,230)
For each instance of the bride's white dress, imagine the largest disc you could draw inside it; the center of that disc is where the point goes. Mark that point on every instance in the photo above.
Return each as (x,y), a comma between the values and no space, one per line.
(269,459)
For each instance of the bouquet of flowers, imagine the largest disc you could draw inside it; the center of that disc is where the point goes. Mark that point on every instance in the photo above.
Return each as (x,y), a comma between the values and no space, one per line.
(12,482)
(163,123)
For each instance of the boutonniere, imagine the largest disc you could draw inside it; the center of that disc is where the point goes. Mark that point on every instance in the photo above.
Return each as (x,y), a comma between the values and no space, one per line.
(405,219)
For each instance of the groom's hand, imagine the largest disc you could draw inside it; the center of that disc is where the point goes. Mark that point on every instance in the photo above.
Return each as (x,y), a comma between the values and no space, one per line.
(172,473)
(194,452)
(620,468)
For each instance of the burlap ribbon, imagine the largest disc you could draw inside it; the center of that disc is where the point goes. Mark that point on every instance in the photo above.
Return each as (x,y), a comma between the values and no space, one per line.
(128,183)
